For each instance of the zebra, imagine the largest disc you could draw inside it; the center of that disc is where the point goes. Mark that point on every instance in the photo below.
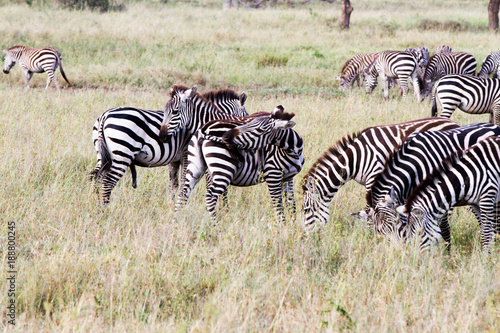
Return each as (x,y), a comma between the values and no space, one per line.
(359,156)
(443,49)
(409,165)
(248,152)
(470,177)
(468,93)
(400,65)
(127,136)
(34,60)
(441,64)
(490,65)
(355,68)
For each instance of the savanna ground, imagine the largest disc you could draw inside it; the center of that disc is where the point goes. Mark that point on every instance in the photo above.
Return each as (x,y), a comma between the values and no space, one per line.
(127,267)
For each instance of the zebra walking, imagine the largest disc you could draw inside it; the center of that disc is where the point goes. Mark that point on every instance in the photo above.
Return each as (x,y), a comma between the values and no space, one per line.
(400,65)
(35,60)
(125,137)
(468,93)
(359,156)
(409,165)
(470,177)
(441,64)
(490,65)
(250,151)
(354,69)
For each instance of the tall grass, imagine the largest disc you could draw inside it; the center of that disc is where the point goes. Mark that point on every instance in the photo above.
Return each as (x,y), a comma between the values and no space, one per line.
(127,267)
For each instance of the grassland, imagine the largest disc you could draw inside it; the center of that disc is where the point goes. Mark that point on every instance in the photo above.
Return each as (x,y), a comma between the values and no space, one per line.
(127,267)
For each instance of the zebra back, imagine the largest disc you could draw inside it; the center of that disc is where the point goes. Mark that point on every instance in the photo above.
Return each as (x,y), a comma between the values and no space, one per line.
(444,49)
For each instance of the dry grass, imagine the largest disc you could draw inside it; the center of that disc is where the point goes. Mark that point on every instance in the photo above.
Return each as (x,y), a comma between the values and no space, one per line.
(126,267)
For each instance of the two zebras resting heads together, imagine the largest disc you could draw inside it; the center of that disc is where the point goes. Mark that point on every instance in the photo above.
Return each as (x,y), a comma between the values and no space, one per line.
(209,134)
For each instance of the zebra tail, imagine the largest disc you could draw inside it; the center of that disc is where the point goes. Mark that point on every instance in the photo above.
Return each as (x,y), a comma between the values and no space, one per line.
(62,71)
(103,150)
(433,101)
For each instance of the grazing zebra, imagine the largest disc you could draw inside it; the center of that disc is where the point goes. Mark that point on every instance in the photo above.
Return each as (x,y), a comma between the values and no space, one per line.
(398,65)
(126,137)
(469,177)
(443,49)
(442,64)
(490,65)
(250,151)
(355,68)
(34,60)
(468,93)
(360,156)
(410,164)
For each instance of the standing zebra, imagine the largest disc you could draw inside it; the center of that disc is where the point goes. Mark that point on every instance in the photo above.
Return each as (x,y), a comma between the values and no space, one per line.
(360,156)
(126,137)
(400,65)
(250,151)
(468,93)
(355,68)
(490,65)
(470,177)
(441,64)
(410,164)
(443,49)
(34,60)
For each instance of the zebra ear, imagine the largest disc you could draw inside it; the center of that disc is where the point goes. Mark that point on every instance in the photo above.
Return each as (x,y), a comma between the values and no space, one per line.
(243,98)
(193,91)
(402,210)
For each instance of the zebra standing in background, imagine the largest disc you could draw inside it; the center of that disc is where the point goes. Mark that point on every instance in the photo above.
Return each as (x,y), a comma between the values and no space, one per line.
(490,65)
(470,94)
(35,60)
(359,156)
(470,177)
(443,49)
(126,137)
(265,148)
(442,64)
(398,65)
(355,68)
(409,165)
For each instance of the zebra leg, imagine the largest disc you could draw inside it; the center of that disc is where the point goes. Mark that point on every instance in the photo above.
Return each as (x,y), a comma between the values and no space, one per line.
(112,177)
(275,186)
(385,86)
(487,208)
(134,175)
(445,230)
(27,77)
(416,87)
(404,85)
(218,187)
(289,197)
(173,176)
(495,115)
(192,174)
(51,78)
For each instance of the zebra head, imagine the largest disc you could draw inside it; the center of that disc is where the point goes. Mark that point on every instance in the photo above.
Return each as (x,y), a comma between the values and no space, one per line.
(419,221)
(316,211)
(260,131)
(385,217)
(9,61)
(176,113)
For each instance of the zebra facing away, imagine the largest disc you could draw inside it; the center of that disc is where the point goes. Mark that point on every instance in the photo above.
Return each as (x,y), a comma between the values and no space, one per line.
(490,65)
(400,65)
(468,93)
(441,64)
(35,60)
(249,151)
(360,156)
(409,165)
(470,177)
(126,137)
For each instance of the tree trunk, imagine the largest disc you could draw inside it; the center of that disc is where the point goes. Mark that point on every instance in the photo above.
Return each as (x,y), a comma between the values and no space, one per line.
(493,7)
(345,15)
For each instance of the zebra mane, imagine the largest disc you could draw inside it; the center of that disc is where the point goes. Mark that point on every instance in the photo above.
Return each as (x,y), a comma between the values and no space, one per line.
(16,48)
(345,66)
(336,150)
(225,94)
(447,164)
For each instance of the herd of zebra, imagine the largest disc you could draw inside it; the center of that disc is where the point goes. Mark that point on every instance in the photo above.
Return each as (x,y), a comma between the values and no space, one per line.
(415,172)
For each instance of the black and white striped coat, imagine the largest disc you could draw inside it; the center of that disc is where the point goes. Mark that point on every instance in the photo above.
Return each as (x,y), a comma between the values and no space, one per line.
(399,65)
(471,177)
(360,156)
(34,60)
(125,137)
(468,93)
(490,65)
(245,152)
(354,69)
(409,165)
(441,64)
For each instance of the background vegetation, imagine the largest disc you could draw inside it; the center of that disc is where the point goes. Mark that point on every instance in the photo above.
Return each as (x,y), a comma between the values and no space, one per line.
(85,267)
